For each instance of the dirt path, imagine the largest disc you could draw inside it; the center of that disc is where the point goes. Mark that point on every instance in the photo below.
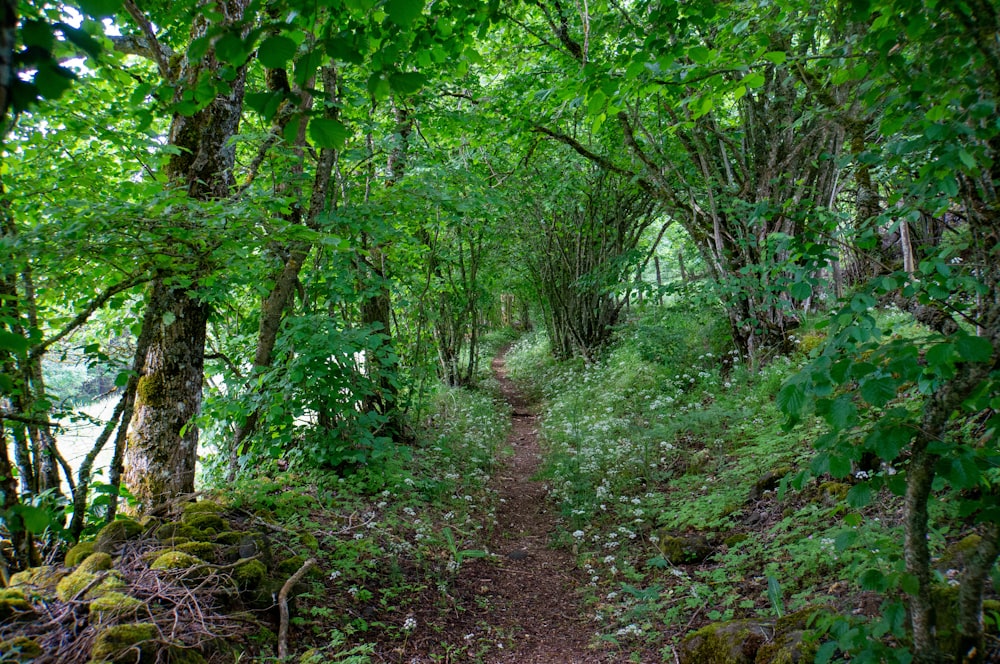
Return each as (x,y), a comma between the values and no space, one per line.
(528,601)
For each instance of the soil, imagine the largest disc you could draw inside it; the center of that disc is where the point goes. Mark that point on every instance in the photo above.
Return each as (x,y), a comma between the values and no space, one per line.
(528,602)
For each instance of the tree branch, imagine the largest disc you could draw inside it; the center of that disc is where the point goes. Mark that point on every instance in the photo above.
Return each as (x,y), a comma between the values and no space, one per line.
(155,51)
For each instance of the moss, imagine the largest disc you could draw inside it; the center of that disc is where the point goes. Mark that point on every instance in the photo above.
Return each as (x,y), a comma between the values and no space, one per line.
(688,549)
(768,482)
(71,586)
(179,655)
(733,540)
(833,493)
(176,541)
(204,550)
(801,619)
(249,574)
(150,390)
(290,566)
(735,642)
(13,604)
(787,648)
(113,535)
(171,560)
(149,522)
(133,643)
(114,605)
(175,530)
(810,341)
(954,556)
(77,553)
(20,649)
(228,537)
(42,580)
(309,541)
(204,521)
(203,507)
(97,562)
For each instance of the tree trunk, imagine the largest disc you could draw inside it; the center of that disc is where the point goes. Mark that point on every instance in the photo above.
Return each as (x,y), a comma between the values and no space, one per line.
(162,440)
(971,646)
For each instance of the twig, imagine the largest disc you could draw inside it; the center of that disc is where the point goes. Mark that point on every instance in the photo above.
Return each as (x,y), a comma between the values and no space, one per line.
(283,607)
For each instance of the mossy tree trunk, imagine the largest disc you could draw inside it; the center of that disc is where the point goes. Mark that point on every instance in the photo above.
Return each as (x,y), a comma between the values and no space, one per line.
(162,439)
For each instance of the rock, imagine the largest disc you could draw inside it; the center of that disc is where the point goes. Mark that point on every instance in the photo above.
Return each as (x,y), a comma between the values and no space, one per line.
(204,550)
(204,521)
(833,493)
(734,642)
(71,586)
(113,606)
(787,648)
(112,536)
(20,649)
(249,574)
(175,560)
(176,530)
(734,540)
(132,643)
(203,507)
(768,482)
(685,549)
(77,553)
(96,562)
(229,537)
(955,554)
(14,605)
(38,580)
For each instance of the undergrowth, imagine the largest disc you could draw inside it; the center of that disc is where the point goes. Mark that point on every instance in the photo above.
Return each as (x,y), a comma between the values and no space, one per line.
(668,443)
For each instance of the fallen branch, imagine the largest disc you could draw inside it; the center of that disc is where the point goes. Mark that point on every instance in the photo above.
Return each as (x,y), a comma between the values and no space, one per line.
(283,607)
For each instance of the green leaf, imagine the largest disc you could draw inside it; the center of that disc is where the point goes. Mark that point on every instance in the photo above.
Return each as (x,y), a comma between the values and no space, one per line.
(231,48)
(406,83)
(840,466)
(99,8)
(878,391)
(13,342)
(974,349)
(859,496)
(35,519)
(403,12)
(777,57)
(699,54)
(328,133)
(801,290)
(168,318)
(275,51)
(791,398)
(753,80)
(52,80)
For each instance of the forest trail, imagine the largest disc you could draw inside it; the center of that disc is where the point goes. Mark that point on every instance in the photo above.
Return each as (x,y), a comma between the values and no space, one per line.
(529,599)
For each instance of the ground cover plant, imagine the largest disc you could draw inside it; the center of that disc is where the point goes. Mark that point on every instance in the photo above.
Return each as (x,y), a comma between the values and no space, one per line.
(688,500)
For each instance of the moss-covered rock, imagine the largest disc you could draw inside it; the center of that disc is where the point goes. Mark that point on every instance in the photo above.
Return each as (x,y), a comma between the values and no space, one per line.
(833,493)
(20,649)
(132,643)
(309,541)
(203,507)
(186,567)
(96,562)
(112,536)
(734,642)
(179,655)
(290,566)
(684,549)
(249,574)
(77,553)
(112,606)
(14,605)
(71,586)
(176,529)
(734,540)
(38,580)
(149,522)
(788,648)
(768,482)
(204,521)
(228,537)
(204,550)
(955,555)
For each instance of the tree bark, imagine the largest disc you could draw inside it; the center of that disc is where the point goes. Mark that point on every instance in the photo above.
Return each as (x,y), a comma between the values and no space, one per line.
(162,441)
